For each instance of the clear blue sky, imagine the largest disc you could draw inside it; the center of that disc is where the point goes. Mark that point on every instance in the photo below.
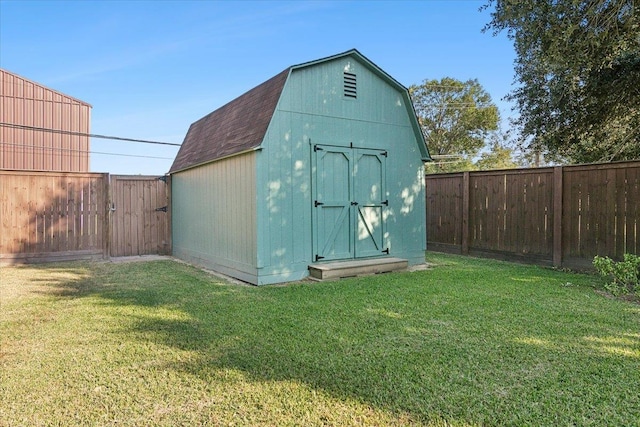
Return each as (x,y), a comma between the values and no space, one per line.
(150,69)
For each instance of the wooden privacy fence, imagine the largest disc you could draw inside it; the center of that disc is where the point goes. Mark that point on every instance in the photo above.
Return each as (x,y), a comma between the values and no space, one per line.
(561,215)
(49,216)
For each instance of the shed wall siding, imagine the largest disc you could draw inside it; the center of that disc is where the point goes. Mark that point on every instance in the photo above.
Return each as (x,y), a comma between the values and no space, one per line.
(313,110)
(26,103)
(319,90)
(214,216)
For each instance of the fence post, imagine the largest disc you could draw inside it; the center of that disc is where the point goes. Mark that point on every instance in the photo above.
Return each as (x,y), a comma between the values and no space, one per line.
(557,216)
(465,214)
(106,224)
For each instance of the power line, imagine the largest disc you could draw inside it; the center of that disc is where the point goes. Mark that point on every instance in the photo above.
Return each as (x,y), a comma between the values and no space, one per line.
(454,105)
(460,105)
(72,150)
(90,135)
(439,86)
(447,162)
(446,156)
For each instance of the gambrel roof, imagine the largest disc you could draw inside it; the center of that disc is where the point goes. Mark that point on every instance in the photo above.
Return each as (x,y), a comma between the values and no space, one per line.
(241,125)
(235,127)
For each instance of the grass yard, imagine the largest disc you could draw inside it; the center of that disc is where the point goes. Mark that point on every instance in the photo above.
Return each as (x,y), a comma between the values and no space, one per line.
(469,342)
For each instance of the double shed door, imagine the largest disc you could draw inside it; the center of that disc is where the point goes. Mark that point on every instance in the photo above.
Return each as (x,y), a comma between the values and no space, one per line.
(349,198)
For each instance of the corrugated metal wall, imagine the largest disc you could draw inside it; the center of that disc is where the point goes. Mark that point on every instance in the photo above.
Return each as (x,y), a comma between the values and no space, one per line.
(25,103)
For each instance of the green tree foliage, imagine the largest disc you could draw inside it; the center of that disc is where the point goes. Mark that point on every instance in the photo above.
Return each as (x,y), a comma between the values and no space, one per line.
(501,156)
(498,158)
(456,117)
(578,74)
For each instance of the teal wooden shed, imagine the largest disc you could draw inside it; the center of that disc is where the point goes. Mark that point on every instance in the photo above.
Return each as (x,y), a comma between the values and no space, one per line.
(323,162)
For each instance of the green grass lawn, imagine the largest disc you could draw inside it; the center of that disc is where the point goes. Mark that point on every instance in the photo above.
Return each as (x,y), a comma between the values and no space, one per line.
(469,342)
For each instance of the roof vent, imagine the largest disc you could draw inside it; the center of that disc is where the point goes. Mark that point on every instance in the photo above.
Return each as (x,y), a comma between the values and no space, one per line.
(350,90)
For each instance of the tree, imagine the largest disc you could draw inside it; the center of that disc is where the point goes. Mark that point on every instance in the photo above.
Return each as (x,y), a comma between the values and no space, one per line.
(456,117)
(577,70)
(501,156)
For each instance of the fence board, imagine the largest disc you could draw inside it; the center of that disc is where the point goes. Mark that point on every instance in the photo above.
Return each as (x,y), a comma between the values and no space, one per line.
(444,211)
(50,216)
(562,215)
(510,212)
(600,212)
(632,211)
(41,214)
(137,228)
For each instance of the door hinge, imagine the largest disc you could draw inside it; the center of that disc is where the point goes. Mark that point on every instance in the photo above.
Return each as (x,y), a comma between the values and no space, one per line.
(162,209)
(386,251)
(384,153)
(316,148)
(317,203)
(318,257)
(354,203)
(386,202)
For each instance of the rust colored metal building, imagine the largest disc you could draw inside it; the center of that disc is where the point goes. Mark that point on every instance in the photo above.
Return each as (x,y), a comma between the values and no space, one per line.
(40,128)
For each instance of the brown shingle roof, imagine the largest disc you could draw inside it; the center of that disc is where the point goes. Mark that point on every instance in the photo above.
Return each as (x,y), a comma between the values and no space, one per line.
(237,126)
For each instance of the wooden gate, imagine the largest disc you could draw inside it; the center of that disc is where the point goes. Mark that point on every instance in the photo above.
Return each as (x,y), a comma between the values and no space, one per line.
(140,215)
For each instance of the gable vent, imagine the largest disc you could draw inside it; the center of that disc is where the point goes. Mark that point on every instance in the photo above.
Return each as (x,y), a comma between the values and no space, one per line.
(350,88)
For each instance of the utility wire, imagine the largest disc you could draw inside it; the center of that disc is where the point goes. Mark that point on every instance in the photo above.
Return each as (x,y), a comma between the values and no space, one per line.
(447,162)
(439,86)
(446,156)
(457,106)
(72,150)
(91,135)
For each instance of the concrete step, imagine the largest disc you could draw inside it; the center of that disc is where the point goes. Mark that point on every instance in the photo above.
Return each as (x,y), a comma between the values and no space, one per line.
(351,268)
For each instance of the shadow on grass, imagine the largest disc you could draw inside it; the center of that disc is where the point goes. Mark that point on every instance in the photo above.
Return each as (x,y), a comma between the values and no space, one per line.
(404,343)
(24,281)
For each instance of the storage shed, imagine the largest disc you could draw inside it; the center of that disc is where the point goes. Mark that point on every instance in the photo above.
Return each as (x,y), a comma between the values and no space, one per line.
(322,162)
